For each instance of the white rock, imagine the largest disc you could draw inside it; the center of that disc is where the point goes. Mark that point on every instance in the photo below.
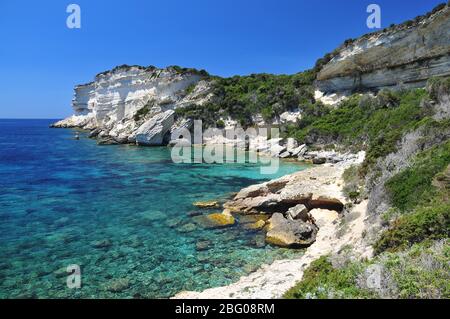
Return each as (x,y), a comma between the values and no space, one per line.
(152,132)
(290,117)
(276,150)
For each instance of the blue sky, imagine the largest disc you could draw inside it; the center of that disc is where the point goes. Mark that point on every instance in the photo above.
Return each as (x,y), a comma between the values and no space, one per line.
(41,59)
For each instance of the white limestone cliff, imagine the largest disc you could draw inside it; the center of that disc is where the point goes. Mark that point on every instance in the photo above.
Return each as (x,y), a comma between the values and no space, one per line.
(404,56)
(135,104)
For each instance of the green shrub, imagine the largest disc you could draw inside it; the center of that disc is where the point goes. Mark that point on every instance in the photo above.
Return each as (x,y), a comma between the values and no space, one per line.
(321,280)
(431,222)
(423,271)
(413,186)
(438,86)
(142,112)
(220,124)
(352,182)
(242,97)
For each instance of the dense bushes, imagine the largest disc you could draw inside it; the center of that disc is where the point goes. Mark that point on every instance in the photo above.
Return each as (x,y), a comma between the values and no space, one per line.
(437,86)
(375,124)
(413,185)
(242,97)
(421,193)
(432,222)
(321,280)
(422,271)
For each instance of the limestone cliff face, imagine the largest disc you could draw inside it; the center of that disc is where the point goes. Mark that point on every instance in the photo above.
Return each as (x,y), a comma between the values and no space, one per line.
(133,100)
(402,56)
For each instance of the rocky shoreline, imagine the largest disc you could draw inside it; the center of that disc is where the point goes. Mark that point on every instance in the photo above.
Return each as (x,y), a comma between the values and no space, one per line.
(305,209)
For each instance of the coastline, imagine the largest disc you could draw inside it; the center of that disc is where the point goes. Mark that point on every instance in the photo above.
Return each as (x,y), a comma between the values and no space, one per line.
(272,281)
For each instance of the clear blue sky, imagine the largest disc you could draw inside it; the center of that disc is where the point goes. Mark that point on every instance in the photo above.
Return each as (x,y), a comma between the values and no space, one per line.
(41,59)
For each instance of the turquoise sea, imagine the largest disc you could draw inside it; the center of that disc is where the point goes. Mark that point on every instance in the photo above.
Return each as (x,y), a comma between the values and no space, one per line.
(123,213)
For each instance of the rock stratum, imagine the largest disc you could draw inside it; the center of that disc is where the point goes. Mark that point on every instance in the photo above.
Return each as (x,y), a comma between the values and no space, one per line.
(135,104)
(403,56)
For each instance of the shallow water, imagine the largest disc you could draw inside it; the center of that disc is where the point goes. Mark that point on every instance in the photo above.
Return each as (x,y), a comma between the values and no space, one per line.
(60,198)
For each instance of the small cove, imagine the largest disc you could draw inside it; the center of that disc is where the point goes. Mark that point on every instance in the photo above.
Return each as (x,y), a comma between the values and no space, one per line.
(123,213)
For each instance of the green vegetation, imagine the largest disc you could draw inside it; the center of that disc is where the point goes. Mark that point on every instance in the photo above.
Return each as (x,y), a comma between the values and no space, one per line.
(422,271)
(142,112)
(432,222)
(353,183)
(438,85)
(413,252)
(220,124)
(181,70)
(413,186)
(322,280)
(420,194)
(242,97)
(365,122)
(190,88)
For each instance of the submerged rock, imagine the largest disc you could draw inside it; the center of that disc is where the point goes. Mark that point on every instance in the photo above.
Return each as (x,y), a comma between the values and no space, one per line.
(104,243)
(221,219)
(118,285)
(187,228)
(256,225)
(207,204)
(202,245)
(290,233)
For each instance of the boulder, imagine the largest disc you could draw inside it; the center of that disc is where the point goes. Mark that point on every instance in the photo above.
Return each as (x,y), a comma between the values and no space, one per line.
(221,219)
(290,233)
(207,204)
(299,151)
(152,131)
(276,150)
(202,245)
(104,243)
(298,212)
(118,285)
(319,160)
(256,225)
(285,155)
(106,141)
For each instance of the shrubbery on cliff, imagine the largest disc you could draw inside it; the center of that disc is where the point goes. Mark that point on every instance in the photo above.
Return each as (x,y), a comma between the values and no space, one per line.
(242,97)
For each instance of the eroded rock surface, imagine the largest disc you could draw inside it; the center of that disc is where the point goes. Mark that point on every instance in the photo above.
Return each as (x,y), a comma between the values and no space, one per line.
(404,56)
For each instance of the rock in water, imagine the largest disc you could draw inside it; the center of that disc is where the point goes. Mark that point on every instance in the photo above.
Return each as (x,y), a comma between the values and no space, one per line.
(152,132)
(207,204)
(118,285)
(221,219)
(104,243)
(290,233)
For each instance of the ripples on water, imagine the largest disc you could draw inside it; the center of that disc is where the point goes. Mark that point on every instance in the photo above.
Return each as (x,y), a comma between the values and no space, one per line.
(61,199)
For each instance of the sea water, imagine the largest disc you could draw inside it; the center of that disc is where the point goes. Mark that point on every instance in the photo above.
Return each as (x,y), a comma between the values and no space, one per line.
(122,213)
